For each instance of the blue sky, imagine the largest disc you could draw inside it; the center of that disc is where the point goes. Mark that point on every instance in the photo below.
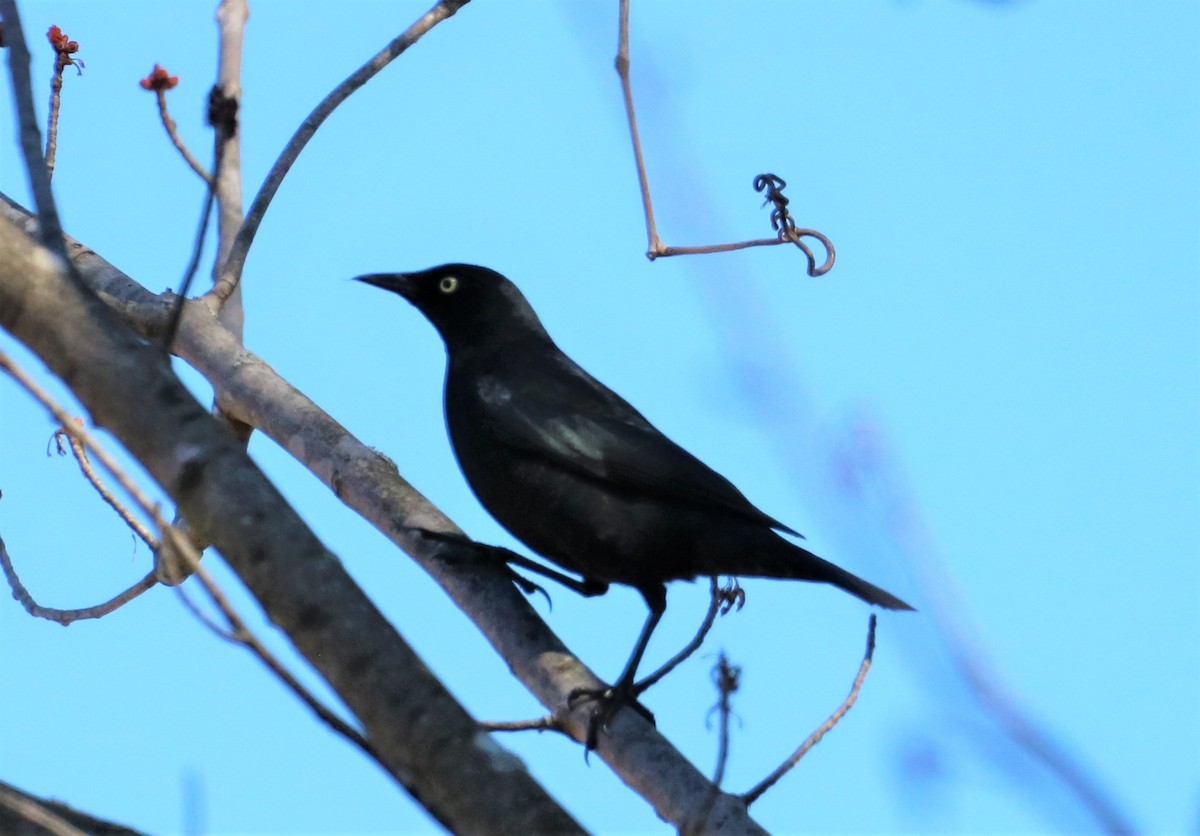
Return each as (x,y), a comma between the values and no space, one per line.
(1000,378)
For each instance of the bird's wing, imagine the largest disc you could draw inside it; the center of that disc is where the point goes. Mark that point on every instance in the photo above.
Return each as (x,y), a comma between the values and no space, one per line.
(572,421)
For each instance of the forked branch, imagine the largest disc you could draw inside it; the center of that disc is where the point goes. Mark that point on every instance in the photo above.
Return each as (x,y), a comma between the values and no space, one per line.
(231,270)
(81,442)
(786,230)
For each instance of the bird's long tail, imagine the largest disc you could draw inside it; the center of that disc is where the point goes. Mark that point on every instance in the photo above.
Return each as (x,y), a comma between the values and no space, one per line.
(779,558)
(859,588)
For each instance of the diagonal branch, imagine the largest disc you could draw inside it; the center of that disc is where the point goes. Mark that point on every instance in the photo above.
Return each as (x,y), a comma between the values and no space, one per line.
(160,82)
(127,385)
(813,739)
(370,485)
(81,441)
(231,268)
(50,231)
(25,814)
(89,473)
(241,634)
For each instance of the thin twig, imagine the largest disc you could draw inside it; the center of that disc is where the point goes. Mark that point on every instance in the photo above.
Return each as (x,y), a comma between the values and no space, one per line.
(174,539)
(79,432)
(551,722)
(242,634)
(90,474)
(64,47)
(815,738)
(654,245)
(231,271)
(222,116)
(727,677)
(49,226)
(169,125)
(78,435)
(159,81)
(788,232)
(722,599)
(784,224)
(76,431)
(786,237)
(65,617)
(56,82)
(203,617)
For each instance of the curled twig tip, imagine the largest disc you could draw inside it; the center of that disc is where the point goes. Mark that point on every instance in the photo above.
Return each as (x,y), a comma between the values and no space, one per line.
(785,225)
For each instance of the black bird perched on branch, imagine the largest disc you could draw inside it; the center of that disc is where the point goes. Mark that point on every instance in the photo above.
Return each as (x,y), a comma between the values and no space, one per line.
(576,473)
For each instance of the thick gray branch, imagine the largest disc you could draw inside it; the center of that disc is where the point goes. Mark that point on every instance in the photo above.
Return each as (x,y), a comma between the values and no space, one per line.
(370,484)
(425,739)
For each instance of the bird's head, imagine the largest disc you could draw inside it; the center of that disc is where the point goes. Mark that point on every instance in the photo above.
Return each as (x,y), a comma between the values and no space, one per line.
(468,305)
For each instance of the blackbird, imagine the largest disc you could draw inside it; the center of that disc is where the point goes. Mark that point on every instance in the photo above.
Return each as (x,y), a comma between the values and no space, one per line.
(576,473)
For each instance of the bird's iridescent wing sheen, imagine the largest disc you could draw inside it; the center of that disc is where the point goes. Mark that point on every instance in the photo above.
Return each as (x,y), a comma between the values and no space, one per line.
(572,421)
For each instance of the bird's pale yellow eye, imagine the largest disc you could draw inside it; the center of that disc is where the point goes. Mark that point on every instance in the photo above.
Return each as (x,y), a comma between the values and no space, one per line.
(448,284)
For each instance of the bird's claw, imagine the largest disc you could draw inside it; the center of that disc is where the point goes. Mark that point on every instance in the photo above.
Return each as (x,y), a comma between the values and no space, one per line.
(529,588)
(609,702)
(731,596)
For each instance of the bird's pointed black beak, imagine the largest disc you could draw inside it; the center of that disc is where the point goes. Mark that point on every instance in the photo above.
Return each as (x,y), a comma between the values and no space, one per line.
(399,283)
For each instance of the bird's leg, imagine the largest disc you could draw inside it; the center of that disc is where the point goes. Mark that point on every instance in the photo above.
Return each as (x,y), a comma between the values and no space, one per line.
(718,603)
(625,687)
(625,692)
(588,587)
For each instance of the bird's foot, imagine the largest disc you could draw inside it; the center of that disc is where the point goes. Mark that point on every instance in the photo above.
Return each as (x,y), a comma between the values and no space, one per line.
(530,588)
(608,702)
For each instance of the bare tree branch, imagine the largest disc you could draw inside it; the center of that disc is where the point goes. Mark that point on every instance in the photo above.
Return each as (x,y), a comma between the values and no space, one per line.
(65,617)
(85,466)
(469,784)
(231,22)
(22,814)
(81,441)
(243,635)
(720,601)
(551,722)
(50,231)
(159,81)
(231,267)
(813,739)
(369,484)
(786,228)
(64,48)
